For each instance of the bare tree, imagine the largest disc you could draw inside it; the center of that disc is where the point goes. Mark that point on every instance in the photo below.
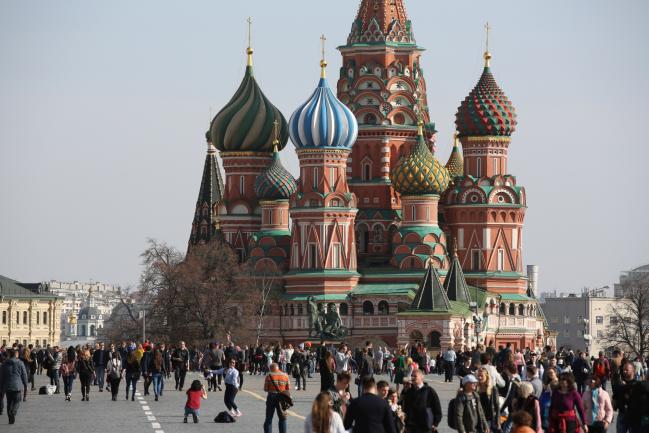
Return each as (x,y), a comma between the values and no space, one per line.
(265,289)
(629,329)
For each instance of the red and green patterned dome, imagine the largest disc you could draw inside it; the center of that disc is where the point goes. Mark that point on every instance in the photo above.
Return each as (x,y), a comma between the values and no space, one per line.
(486,111)
(275,183)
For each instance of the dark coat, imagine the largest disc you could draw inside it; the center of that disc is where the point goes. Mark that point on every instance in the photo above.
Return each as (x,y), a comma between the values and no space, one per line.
(369,414)
(420,405)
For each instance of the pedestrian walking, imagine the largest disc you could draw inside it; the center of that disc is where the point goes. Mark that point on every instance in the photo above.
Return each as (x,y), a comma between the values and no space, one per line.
(598,407)
(100,360)
(277,386)
(13,383)
(114,375)
(469,416)
(156,370)
(180,362)
(195,393)
(299,366)
(69,372)
(327,369)
(421,405)
(566,404)
(132,373)
(369,413)
(449,364)
(488,394)
(54,359)
(86,374)
(322,418)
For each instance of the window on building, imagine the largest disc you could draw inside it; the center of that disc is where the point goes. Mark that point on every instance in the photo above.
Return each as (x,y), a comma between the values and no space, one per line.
(580,320)
(378,233)
(332,176)
(335,256)
(413,210)
(44,319)
(315,177)
(599,320)
(4,317)
(475,260)
(613,320)
(566,320)
(334,203)
(502,309)
(460,238)
(495,166)
(270,217)
(343,309)
(24,317)
(384,308)
(38,317)
(600,334)
(501,259)
(521,310)
(17,317)
(242,185)
(512,309)
(478,167)
(313,256)
(367,171)
(368,308)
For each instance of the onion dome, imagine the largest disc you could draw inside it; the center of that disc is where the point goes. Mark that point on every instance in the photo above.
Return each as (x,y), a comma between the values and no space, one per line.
(455,163)
(486,111)
(420,173)
(275,183)
(323,121)
(245,124)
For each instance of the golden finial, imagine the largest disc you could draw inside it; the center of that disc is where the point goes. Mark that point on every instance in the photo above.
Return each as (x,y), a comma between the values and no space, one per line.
(323,62)
(249,51)
(487,54)
(276,134)
(420,115)
(456,139)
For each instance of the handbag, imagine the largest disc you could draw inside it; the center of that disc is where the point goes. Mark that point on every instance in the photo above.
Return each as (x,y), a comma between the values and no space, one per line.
(284,399)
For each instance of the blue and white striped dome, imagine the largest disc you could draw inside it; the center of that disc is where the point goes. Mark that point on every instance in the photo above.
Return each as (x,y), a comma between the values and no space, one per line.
(323,121)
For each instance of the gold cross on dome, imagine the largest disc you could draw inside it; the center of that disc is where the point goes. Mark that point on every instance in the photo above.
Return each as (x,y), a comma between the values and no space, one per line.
(487,28)
(276,135)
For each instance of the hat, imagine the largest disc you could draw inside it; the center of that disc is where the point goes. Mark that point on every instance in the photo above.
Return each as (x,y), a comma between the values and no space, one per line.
(469,378)
(301,346)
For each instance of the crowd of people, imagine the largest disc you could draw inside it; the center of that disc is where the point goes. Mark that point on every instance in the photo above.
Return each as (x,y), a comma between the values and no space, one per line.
(506,390)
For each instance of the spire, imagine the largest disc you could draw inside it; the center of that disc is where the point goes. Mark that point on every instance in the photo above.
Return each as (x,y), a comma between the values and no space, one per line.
(249,50)
(487,54)
(455,164)
(381,21)
(431,295)
(205,226)
(455,283)
(323,62)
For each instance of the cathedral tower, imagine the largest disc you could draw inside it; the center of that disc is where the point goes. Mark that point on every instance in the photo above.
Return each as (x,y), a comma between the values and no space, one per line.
(381,81)
(485,209)
(323,247)
(243,132)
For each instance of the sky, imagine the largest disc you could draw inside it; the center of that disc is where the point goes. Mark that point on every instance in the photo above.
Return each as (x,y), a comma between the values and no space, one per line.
(104,107)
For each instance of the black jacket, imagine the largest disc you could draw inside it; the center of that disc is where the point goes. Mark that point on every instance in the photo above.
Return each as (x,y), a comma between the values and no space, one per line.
(369,414)
(420,405)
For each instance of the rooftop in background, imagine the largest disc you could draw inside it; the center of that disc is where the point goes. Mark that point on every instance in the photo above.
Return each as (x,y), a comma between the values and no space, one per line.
(10,288)
(626,276)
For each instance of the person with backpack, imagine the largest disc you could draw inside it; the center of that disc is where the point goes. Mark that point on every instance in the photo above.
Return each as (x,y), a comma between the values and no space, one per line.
(465,411)
(365,369)
(114,374)
(602,369)
(421,405)
(69,372)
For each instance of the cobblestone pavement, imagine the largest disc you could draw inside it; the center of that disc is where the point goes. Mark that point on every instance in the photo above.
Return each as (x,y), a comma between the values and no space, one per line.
(100,414)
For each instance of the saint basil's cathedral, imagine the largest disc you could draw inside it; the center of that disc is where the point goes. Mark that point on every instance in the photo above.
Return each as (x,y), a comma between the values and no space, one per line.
(407,248)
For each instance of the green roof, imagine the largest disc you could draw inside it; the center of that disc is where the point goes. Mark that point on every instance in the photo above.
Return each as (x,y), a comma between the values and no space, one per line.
(386,289)
(13,289)
(327,297)
(515,297)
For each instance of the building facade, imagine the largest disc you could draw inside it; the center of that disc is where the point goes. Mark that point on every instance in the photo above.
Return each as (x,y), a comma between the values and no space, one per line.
(641,272)
(581,321)
(405,248)
(30,313)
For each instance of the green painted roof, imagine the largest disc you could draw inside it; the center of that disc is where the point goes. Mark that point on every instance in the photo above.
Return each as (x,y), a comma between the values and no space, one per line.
(515,297)
(13,289)
(455,283)
(386,289)
(431,295)
(321,272)
(328,297)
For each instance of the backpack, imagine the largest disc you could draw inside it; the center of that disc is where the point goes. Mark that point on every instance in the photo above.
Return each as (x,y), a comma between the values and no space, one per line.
(42,390)
(224,417)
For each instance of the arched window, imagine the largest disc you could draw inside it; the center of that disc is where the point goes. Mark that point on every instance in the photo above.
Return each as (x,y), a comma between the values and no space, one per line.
(512,309)
(292,309)
(384,308)
(44,318)
(83,330)
(300,310)
(521,310)
(368,308)
(434,340)
(367,171)
(363,238)
(369,119)
(92,331)
(343,309)
(503,309)
(377,233)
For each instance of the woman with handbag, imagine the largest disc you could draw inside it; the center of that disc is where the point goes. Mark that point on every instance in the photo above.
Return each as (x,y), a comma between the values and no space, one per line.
(114,374)
(69,372)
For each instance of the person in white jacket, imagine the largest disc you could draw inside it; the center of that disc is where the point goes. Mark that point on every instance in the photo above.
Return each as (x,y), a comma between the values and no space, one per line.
(322,418)
(232,385)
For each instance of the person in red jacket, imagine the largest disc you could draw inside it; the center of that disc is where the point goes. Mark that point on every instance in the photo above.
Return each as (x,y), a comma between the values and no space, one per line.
(602,369)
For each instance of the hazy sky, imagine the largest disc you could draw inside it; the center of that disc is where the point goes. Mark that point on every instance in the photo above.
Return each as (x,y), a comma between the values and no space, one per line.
(104,107)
